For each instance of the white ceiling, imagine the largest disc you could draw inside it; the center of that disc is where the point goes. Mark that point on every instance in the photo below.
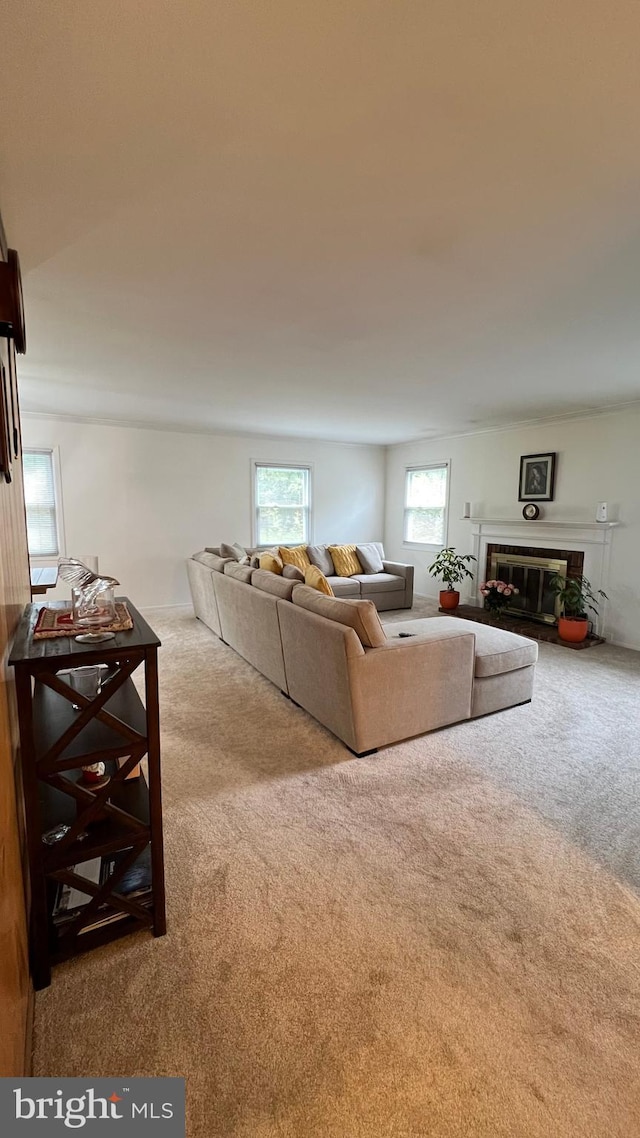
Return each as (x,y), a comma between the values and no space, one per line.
(353,219)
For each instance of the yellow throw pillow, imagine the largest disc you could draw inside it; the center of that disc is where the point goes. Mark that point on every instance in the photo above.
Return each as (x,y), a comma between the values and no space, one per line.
(271,562)
(296,556)
(317,580)
(345,560)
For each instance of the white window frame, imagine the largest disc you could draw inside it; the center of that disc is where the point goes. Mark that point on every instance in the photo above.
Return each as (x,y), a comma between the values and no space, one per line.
(283,465)
(51,559)
(446,463)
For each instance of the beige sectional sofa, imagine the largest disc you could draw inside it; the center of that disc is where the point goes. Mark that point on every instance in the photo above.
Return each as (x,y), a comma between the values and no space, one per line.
(333,658)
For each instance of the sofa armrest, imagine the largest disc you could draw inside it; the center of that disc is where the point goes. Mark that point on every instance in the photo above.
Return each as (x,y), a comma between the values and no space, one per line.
(399,568)
(201,583)
(407,687)
(405,571)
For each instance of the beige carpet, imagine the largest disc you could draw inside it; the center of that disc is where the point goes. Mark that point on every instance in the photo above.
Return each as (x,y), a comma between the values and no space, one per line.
(397,946)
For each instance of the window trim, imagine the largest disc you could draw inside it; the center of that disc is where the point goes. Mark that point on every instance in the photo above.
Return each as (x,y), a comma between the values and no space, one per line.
(446,463)
(51,559)
(282,465)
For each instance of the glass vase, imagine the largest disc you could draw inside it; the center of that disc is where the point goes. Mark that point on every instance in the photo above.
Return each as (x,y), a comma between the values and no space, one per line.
(95,612)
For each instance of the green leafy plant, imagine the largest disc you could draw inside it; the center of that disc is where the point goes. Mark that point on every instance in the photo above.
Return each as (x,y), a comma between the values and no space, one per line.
(576,595)
(450,567)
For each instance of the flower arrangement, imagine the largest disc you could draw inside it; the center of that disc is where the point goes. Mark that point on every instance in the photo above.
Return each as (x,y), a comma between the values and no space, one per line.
(497,594)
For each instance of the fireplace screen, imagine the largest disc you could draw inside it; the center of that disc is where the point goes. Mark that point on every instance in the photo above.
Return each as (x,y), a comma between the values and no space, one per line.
(532,576)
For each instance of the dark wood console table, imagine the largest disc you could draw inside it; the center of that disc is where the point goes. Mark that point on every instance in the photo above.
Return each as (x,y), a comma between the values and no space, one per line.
(116,827)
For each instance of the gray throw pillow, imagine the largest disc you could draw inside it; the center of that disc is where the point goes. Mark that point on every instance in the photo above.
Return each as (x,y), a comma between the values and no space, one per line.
(369,557)
(293,573)
(320,557)
(238,552)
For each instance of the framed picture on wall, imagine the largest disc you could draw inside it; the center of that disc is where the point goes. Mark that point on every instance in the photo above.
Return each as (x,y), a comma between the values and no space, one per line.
(537,477)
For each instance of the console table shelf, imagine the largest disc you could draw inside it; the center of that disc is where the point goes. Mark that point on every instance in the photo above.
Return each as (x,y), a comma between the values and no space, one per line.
(57,808)
(53,715)
(108,854)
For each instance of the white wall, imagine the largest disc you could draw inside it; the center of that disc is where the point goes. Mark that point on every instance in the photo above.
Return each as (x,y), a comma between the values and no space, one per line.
(143,500)
(598,460)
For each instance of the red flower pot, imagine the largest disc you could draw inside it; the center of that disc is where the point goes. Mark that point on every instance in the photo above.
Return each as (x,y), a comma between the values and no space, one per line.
(573,628)
(449,599)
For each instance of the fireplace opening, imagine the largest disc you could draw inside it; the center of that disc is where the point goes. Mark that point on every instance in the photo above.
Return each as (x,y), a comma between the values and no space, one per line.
(531,576)
(530,569)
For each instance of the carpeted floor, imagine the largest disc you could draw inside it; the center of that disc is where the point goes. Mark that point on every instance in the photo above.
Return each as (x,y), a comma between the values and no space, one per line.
(440,940)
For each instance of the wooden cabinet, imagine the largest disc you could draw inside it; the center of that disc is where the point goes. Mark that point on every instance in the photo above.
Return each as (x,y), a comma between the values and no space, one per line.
(115,829)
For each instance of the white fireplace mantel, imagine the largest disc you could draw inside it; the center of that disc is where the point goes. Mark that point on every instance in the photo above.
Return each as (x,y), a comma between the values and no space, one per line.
(591,538)
(541,523)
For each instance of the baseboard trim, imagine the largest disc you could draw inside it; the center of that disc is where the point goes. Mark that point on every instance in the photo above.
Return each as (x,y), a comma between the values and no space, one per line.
(175,605)
(623,644)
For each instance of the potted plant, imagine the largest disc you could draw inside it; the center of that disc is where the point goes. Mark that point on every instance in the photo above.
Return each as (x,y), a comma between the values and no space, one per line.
(450,567)
(576,595)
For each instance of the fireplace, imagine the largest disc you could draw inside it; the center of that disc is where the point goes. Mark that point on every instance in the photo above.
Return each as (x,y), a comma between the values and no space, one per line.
(532,578)
(585,546)
(530,570)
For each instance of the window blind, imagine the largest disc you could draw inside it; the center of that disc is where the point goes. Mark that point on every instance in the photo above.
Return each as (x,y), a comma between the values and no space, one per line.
(40,500)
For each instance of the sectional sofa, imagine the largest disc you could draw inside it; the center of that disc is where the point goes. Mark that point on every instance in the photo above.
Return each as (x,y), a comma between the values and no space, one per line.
(333,657)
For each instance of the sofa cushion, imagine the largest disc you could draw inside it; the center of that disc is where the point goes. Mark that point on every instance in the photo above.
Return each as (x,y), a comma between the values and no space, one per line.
(271,583)
(316,579)
(272,562)
(378,582)
(292,573)
(295,555)
(319,555)
(345,560)
(211,560)
(240,572)
(369,557)
(344,586)
(362,616)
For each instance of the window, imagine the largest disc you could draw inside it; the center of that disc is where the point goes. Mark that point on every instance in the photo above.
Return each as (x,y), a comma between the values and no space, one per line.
(282,500)
(425,504)
(43,528)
